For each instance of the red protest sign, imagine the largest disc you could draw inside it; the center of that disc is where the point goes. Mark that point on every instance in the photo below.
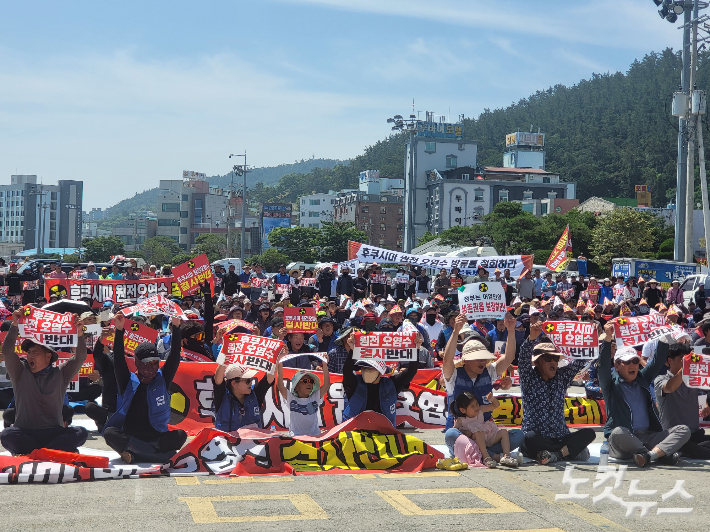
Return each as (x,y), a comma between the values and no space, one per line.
(230,325)
(48,328)
(385,346)
(257,282)
(300,320)
(189,275)
(635,330)
(256,352)
(18,343)
(575,339)
(307,281)
(696,371)
(134,334)
(156,305)
(283,289)
(30,285)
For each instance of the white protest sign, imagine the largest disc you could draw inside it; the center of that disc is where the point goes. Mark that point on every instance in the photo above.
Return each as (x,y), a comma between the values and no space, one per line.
(385,346)
(482,301)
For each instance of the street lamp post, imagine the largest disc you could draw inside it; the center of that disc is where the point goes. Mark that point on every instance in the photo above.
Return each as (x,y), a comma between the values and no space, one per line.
(242,171)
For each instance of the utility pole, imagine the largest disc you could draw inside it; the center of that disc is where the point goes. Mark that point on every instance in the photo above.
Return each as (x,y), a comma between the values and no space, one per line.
(692,124)
(681,179)
(242,171)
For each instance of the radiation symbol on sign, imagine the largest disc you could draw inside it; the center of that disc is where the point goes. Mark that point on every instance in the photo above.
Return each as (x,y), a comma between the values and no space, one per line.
(28,311)
(190,264)
(622,321)
(58,290)
(233,337)
(483,287)
(134,326)
(83,328)
(550,327)
(695,358)
(302,311)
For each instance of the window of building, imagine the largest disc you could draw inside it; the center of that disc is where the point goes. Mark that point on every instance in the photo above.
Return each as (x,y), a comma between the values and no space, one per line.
(478,194)
(185,197)
(543,208)
(53,196)
(313,225)
(430,147)
(552,195)
(168,223)
(171,207)
(400,210)
(303,202)
(527,195)
(183,230)
(529,207)
(332,201)
(478,213)
(314,202)
(365,209)
(198,211)
(451,161)
(502,195)
(383,227)
(545,179)
(465,177)
(383,210)
(462,146)
(314,214)
(184,214)
(53,206)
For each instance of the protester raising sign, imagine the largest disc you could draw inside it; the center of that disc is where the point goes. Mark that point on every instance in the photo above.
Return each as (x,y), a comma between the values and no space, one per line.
(306,281)
(48,328)
(385,347)
(631,331)
(482,301)
(696,371)
(135,334)
(191,274)
(156,305)
(256,282)
(574,339)
(30,285)
(300,319)
(250,351)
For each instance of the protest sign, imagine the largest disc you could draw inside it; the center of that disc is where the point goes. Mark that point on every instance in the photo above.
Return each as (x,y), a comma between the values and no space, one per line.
(3,290)
(482,301)
(498,348)
(378,279)
(631,331)
(48,328)
(193,356)
(402,278)
(191,274)
(300,320)
(385,346)
(99,291)
(283,289)
(456,282)
(307,281)
(230,325)
(156,305)
(73,386)
(561,254)
(574,339)
(696,371)
(512,372)
(30,285)
(256,352)
(257,282)
(134,334)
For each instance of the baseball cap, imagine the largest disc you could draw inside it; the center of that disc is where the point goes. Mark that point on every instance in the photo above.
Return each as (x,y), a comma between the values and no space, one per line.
(625,353)
(380,366)
(235,371)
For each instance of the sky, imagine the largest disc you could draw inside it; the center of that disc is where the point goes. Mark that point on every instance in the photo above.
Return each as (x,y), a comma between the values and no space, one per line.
(123,94)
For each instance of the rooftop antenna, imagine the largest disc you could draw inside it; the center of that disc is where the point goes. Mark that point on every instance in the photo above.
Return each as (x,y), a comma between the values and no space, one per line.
(531,128)
(412,105)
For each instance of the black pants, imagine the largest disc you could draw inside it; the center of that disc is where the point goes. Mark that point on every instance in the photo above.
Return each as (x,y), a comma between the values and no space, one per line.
(6,395)
(148,447)
(575,441)
(99,414)
(8,415)
(86,393)
(24,441)
(698,446)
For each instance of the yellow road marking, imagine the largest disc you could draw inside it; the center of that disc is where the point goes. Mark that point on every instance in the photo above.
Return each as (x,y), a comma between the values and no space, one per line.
(203,511)
(187,481)
(407,475)
(398,499)
(527,530)
(364,476)
(240,480)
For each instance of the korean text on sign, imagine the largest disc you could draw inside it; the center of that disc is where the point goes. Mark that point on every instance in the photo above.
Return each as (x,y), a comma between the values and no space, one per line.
(191,274)
(134,334)
(696,371)
(385,346)
(482,301)
(574,339)
(300,319)
(632,331)
(48,328)
(250,351)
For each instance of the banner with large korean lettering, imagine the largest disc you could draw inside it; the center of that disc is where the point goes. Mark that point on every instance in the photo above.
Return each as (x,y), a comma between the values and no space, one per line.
(574,339)
(191,274)
(100,291)
(561,254)
(482,301)
(256,352)
(467,265)
(48,328)
(300,320)
(631,331)
(388,348)
(696,371)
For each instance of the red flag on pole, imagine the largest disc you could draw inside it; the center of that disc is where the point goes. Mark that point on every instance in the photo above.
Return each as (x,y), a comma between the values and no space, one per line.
(561,255)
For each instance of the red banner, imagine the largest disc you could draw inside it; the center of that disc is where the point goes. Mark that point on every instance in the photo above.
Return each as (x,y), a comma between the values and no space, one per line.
(256,352)
(134,334)
(189,275)
(696,371)
(257,282)
(561,254)
(575,339)
(155,305)
(635,330)
(47,327)
(98,291)
(300,320)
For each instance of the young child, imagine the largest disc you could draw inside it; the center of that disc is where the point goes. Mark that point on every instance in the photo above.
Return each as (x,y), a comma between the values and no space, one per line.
(469,420)
(303,399)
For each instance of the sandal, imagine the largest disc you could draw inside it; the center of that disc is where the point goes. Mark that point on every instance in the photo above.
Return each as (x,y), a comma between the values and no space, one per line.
(489,462)
(509,461)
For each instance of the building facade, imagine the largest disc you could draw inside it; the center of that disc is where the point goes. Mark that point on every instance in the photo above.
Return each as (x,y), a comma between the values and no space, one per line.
(315,209)
(380,216)
(135,230)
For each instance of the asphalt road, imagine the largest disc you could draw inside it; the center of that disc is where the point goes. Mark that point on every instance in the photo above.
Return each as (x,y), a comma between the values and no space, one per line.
(473,500)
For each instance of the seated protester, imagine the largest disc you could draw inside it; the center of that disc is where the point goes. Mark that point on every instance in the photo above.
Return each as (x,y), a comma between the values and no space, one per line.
(424,356)
(371,390)
(224,329)
(103,363)
(704,340)
(40,394)
(138,430)
(296,343)
(236,313)
(632,427)
(6,393)
(431,323)
(237,402)
(475,373)
(413,315)
(277,329)
(196,336)
(445,333)
(678,404)
(303,399)
(591,385)
(544,385)
(338,355)
(324,338)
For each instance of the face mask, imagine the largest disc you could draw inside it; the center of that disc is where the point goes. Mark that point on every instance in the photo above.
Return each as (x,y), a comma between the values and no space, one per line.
(369,325)
(431,319)
(413,318)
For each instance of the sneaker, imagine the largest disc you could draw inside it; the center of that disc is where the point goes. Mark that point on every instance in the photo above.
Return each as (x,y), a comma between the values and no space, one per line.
(520,458)
(489,462)
(509,461)
(546,457)
(642,459)
(583,455)
(670,459)
(451,464)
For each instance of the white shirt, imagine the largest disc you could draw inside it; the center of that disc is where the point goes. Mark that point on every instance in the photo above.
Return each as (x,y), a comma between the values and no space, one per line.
(302,414)
(432,330)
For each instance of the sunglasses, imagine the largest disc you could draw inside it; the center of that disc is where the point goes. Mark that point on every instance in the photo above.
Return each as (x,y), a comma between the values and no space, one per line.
(307,380)
(549,358)
(632,361)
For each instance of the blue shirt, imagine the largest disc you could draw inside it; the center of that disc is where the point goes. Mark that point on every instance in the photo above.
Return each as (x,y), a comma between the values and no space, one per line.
(538,285)
(637,403)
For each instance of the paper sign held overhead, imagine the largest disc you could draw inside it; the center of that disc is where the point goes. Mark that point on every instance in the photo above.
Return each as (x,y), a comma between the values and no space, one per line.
(256,352)
(574,339)
(191,274)
(48,328)
(300,320)
(388,347)
(482,301)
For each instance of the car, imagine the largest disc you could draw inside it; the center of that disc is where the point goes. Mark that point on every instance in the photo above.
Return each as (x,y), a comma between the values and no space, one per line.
(690,286)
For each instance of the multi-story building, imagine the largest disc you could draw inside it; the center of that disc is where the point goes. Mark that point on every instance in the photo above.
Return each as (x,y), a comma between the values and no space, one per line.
(169,195)
(136,229)
(315,209)
(380,216)
(41,216)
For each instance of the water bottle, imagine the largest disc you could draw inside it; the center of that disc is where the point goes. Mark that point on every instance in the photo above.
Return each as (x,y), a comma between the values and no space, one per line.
(604,454)
(273,429)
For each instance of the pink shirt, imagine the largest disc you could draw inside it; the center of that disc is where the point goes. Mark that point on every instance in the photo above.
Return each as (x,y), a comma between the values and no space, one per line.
(58,275)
